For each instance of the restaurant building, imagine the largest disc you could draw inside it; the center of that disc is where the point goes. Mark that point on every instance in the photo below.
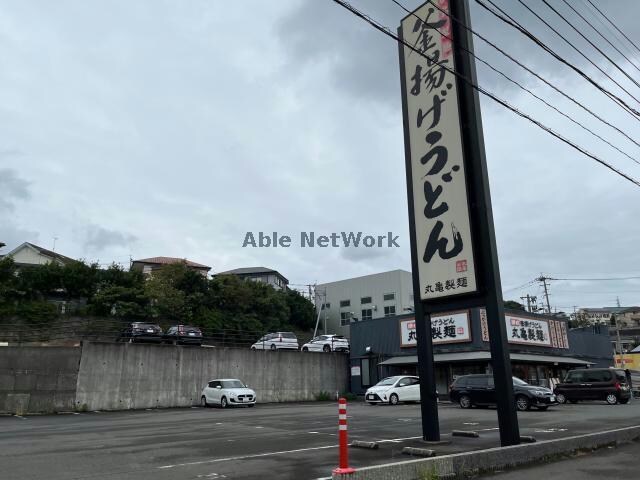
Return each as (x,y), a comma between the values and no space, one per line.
(542,348)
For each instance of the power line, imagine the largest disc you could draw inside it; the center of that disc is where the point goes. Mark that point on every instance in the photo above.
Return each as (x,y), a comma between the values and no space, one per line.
(591,43)
(385,30)
(614,25)
(612,32)
(601,35)
(524,285)
(520,64)
(606,279)
(509,20)
(609,93)
(522,87)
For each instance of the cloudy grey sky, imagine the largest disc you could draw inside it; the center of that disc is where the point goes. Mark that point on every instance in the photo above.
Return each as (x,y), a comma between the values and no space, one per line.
(174,127)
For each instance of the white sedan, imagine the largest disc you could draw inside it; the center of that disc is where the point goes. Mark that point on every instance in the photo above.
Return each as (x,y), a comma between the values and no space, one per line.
(392,390)
(227,391)
(326,343)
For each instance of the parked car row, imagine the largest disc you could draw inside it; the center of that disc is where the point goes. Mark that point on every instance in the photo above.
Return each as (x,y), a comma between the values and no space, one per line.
(190,335)
(608,384)
(151,332)
(289,341)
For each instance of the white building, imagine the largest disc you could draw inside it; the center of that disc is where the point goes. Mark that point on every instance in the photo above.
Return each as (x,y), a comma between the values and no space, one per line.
(29,254)
(363,298)
(260,274)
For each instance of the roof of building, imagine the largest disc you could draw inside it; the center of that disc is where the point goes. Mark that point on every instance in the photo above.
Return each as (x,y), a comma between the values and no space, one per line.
(366,276)
(609,309)
(250,271)
(484,355)
(171,260)
(42,251)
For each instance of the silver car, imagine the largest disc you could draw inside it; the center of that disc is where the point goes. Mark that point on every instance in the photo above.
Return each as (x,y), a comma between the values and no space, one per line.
(226,392)
(277,341)
(327,343)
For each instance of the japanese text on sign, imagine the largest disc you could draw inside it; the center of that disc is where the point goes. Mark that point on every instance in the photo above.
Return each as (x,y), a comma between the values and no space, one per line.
(450,328)
(442,224)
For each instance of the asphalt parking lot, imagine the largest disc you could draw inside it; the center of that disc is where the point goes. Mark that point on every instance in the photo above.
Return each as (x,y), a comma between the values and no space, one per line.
(269,441)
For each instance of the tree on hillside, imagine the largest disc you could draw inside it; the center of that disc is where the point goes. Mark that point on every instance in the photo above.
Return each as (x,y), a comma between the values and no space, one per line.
(513,305)
(176,293)
(247,305)
(301,310)
(120,293)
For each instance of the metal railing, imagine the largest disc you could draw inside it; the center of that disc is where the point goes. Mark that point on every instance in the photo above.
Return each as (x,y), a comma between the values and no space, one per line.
(107,330)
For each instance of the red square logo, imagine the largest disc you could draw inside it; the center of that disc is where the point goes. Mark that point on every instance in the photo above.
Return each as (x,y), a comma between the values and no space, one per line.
(461,266)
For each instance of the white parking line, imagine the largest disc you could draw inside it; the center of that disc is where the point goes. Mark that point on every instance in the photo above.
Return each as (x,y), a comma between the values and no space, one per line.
(397,440)
(244,457)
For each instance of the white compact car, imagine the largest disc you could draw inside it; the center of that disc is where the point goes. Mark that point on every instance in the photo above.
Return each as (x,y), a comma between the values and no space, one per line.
(392,390)
(277,341)
(327,343)
(225,392)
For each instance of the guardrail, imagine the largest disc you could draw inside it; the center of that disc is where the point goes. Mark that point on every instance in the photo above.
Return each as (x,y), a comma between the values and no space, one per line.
(110,331)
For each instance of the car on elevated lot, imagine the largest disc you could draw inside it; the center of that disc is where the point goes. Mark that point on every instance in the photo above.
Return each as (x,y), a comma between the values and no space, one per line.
(183,335)
(226,392)
(327,343)
(393,390)
(478,390)
(141,332)
(277,341)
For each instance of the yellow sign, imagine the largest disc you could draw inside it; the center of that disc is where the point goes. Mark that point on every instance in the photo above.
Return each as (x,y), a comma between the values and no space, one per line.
(631,361)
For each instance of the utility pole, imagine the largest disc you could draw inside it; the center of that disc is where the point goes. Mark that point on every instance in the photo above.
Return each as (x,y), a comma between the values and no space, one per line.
(544,279)
(530,299)
(620,351)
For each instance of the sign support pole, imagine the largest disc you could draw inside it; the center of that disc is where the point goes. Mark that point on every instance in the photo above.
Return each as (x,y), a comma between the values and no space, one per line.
(482,223)
(448,187)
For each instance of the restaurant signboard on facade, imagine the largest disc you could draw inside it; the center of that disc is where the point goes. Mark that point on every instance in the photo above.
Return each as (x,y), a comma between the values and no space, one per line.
(524,330)
(450,328)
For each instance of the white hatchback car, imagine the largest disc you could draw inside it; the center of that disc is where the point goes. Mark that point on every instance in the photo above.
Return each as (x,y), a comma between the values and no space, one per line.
(392,390)
(327,343)
(277,341)
(225,392)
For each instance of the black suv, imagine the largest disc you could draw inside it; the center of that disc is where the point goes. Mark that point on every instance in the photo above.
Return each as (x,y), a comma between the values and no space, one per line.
(608,384)
(141,332)
(479,390)
(183,334)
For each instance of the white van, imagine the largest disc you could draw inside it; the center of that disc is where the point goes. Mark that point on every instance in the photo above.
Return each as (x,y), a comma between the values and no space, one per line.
(277,341)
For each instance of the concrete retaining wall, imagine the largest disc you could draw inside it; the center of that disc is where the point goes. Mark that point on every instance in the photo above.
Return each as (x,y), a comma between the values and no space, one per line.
(128,376)
(469,464)
(38,379)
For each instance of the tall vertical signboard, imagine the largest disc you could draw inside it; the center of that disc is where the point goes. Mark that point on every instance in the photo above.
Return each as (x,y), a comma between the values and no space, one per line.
(453,251)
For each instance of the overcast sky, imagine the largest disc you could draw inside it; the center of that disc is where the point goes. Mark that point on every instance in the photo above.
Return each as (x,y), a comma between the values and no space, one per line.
(172,128)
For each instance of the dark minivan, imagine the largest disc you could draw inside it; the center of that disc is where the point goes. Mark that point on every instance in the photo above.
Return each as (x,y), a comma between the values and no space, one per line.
(608,384)
(479,390)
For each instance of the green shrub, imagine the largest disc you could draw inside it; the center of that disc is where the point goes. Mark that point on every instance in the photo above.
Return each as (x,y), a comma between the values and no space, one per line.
(350,397)
(323,396)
